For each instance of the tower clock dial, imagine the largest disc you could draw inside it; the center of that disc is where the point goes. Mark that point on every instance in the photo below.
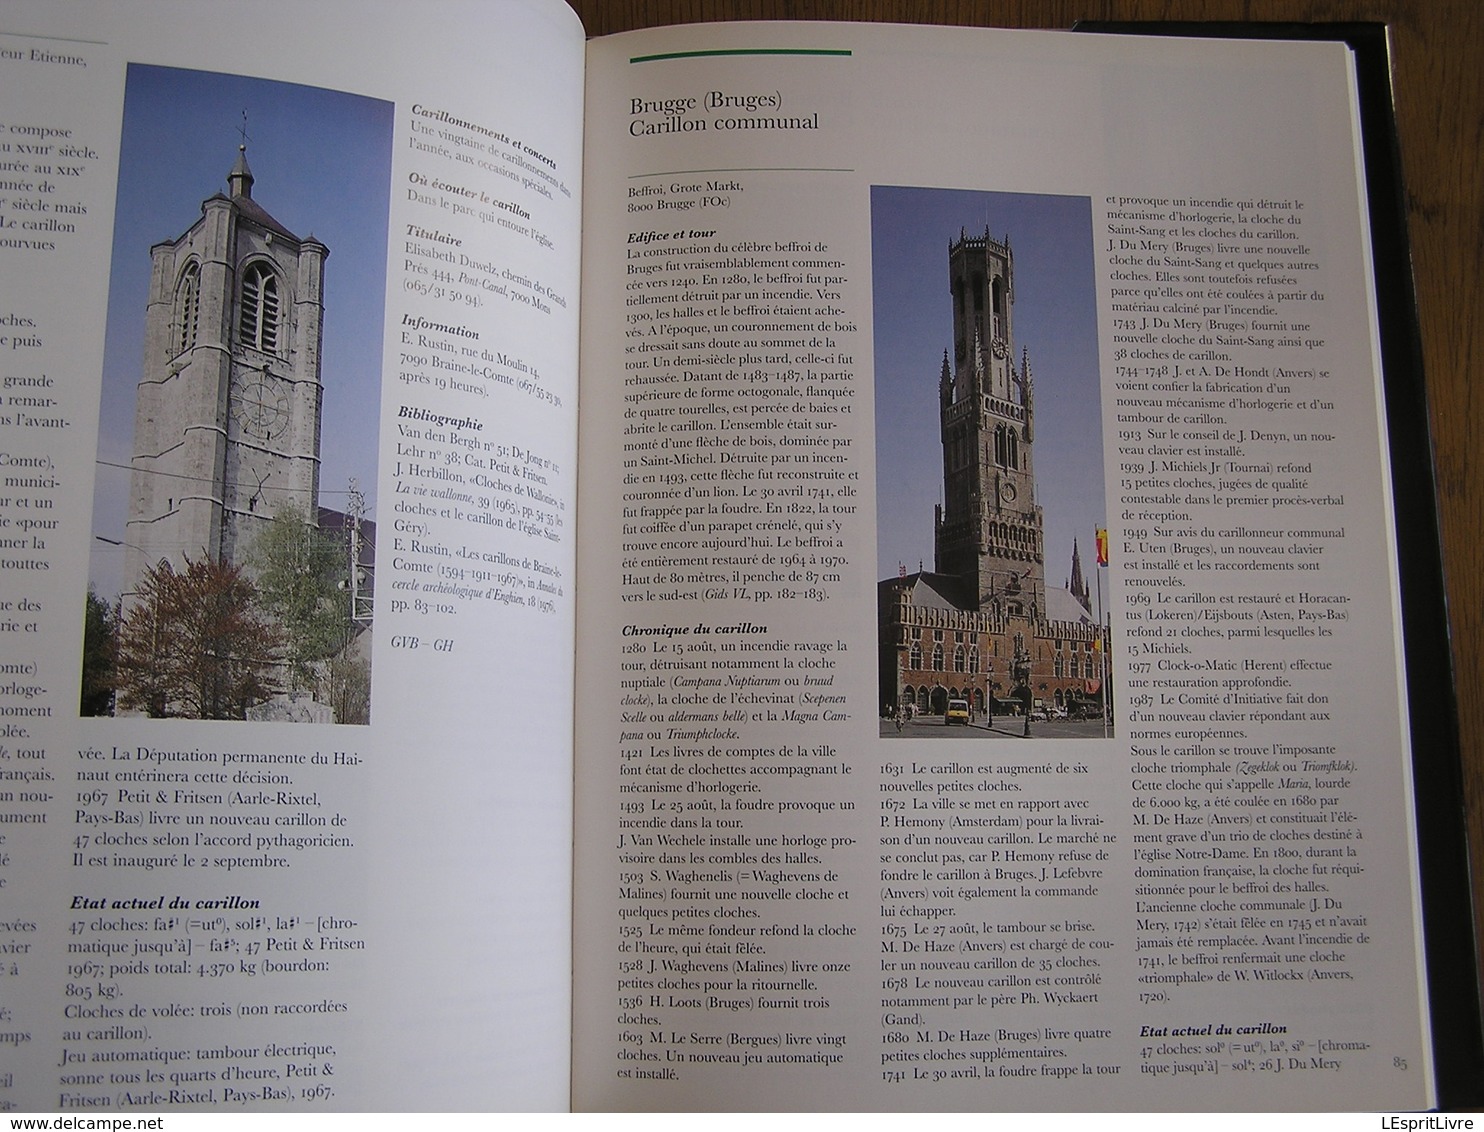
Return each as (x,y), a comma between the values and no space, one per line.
(1007,491)
(261,408)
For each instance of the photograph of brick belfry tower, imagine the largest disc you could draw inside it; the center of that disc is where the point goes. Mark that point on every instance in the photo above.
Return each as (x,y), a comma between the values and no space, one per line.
(990,492)
(234,524)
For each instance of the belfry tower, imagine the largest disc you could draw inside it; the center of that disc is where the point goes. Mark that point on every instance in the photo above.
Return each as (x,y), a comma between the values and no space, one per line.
(227,419)
(988,529)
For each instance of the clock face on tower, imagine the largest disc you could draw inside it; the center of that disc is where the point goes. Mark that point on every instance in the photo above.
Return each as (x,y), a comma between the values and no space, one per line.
(261,408)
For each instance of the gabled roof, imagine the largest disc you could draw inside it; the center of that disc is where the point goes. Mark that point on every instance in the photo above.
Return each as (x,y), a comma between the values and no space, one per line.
(932,591)
(255,212)
(940,591)
(240,181)
(1062,606)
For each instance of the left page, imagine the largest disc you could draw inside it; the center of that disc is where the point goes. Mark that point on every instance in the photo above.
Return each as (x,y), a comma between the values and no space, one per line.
(287,319)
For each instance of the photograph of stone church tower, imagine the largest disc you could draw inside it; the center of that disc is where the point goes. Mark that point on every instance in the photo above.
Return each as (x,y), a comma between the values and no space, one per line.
(990,487)
(233,570)
(234,322)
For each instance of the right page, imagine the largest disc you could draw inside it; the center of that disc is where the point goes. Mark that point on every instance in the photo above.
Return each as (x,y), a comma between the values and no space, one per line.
(989,683)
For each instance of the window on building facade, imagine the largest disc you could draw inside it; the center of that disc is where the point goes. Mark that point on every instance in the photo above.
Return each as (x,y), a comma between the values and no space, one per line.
(257,324)
(187,307)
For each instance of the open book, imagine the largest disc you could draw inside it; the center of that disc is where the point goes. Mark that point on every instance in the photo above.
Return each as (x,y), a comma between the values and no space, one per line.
(737,566)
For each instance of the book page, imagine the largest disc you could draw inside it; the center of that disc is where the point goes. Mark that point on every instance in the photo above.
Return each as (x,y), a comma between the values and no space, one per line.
(893,795)
(288,310)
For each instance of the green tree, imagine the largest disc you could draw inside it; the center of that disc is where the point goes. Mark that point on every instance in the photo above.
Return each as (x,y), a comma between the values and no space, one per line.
(300,572)
(193,644)
(348,688)
(99,648)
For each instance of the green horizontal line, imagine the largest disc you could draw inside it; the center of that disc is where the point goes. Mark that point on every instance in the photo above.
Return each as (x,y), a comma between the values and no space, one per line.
(738,51)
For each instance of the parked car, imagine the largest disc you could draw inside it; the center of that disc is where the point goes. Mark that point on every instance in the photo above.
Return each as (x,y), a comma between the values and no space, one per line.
(958,712)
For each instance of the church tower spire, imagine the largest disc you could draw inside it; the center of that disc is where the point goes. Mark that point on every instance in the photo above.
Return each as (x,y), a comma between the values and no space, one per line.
(240,179)
(1077,585)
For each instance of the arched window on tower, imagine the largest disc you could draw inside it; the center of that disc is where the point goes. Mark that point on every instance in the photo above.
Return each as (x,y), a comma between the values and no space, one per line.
(962,313)
(257,325)
(187,307)
(1012,449)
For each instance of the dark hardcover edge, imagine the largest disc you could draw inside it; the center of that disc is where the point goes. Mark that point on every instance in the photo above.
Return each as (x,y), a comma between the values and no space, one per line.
(1442,841)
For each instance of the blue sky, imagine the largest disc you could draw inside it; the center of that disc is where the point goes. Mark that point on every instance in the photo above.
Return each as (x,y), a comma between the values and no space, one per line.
(322,166)
(1055,316)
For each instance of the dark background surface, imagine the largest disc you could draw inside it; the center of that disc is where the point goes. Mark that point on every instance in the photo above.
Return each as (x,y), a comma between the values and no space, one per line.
(1437,51)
